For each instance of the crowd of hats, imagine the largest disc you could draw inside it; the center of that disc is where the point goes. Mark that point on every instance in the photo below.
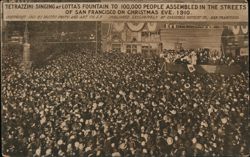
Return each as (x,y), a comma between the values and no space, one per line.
(121,105)
(204,56)
(70,36)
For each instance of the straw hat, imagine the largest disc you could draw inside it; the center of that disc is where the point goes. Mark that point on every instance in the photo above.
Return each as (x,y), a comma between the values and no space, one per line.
(77,144)
(214,145)
(241,114)
(199,146)
(60,153)
(116,154)
(176,138)
(72,137)
(38,151)
(187,85)
(170,140)
(87,149)
(60,142)
(200,134)
(143,143)
(100,104)
(194,140)
(69,146)
(224,120)
(81,146)
(145,150)
(98,152)
(179,131)
(195,105)
(43,120)
(42,136)
(173,112)
(123,146)
(48,152)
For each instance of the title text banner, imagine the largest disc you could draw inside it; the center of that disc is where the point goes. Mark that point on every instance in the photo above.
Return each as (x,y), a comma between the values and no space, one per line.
(200,12)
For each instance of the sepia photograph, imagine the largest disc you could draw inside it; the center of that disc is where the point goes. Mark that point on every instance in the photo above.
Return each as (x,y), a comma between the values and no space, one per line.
(135,78)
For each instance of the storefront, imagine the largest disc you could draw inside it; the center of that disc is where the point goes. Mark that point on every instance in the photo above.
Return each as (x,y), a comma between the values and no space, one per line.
(132,38)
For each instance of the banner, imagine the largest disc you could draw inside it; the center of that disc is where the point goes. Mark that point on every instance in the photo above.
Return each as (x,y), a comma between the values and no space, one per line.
(236,30)
(244,29)
(118,26)
(244,52)
(135,27)
(207,12)
(152,26)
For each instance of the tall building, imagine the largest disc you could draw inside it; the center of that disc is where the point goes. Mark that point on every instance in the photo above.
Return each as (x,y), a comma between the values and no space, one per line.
(143,37)
(131,37)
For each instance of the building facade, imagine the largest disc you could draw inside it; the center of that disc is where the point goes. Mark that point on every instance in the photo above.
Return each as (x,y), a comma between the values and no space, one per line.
(128,37)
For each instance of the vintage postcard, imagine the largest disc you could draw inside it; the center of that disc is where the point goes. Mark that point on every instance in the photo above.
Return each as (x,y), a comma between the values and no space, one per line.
(135,78)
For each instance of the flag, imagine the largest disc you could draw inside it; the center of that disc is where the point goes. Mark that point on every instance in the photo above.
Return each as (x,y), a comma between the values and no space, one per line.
(190,68)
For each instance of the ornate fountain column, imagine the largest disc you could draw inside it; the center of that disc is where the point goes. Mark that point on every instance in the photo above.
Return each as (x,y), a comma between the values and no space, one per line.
(26,63)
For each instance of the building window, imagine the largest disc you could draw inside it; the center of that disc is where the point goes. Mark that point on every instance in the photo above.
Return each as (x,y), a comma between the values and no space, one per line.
(131,48)
(116,47)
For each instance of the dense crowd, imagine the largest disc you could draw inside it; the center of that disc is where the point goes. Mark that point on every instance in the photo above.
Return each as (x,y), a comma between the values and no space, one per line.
(11,59)
(70,37)
(121,105)
(203,56)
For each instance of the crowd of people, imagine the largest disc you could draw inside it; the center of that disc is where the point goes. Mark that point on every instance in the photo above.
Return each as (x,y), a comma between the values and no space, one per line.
(117,105)
(70,37)
(204,56)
